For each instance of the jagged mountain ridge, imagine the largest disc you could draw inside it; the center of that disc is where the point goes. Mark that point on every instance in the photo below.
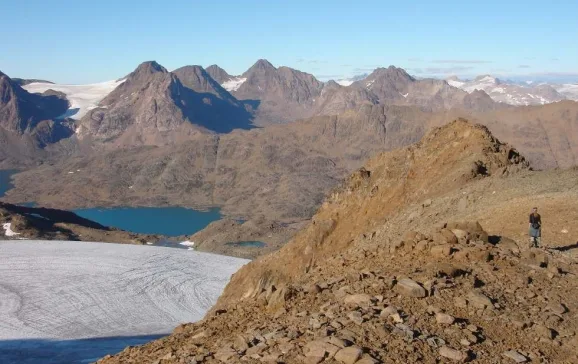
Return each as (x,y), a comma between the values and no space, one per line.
(286,94)
(513,93)
(152,101)
(199,80)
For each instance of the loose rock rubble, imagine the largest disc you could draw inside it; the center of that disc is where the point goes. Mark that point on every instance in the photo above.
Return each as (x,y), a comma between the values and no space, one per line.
(472,310)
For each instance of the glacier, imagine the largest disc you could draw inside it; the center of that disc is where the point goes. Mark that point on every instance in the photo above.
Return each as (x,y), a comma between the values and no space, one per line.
(82,98)
(78,301)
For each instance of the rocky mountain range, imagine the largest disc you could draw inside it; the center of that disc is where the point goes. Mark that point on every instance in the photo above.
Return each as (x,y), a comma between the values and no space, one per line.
(517,93)
(177,137)
(419,256)
(285,94)
(154,106)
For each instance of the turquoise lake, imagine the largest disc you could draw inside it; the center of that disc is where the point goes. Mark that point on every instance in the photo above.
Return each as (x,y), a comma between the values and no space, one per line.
(169,221)
(5,183)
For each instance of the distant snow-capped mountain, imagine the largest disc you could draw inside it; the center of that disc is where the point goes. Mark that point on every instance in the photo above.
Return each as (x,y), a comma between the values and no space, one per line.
(570,90)
(514,93)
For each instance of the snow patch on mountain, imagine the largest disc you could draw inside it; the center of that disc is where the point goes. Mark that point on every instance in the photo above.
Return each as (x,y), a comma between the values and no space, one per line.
(234,83)
(570,90)
(350,80)
(456,83)
(8,229)
(345,82)
(82,98)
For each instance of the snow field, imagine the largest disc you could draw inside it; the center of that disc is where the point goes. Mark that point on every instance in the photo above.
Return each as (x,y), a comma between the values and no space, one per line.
(71,290)
(81,97)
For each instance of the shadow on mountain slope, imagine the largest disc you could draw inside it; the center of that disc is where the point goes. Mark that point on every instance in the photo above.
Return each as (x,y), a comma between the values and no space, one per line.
(214,113)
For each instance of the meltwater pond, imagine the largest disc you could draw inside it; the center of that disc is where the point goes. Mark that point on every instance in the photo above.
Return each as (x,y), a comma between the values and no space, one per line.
(168,221)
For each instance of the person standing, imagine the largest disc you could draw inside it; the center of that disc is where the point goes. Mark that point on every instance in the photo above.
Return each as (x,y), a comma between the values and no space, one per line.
(535,228)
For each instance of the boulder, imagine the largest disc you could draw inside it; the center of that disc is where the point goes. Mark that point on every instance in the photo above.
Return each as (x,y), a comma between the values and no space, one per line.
(355,317)
(515,356)
(444,318)
(348,355)
(479,300)
(440,251)
(411,288)
(320,349)
(460,234)
(544,332)
(225,354)
(453,354)
(358,300)
(445,236)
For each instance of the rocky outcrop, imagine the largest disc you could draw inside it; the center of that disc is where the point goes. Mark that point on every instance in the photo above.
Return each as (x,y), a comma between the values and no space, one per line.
(445,159)
(358,286)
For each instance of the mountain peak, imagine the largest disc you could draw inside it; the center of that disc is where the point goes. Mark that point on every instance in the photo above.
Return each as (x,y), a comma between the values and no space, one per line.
(391,72)
(199,80)
(261,65)
(218,73)
(145,71)
(149,67)
(486,78)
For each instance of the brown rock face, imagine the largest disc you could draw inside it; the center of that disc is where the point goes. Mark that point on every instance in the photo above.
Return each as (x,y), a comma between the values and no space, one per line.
(283,94)
(21,111)
(199,80)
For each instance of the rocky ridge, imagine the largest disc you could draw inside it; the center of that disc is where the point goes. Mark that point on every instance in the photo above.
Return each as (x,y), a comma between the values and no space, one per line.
(384,273)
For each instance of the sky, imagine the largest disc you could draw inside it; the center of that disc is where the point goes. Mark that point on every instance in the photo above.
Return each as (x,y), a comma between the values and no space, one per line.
(93,41)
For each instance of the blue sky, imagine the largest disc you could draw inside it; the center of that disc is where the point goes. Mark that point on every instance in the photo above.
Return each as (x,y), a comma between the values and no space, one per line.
(90,41)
